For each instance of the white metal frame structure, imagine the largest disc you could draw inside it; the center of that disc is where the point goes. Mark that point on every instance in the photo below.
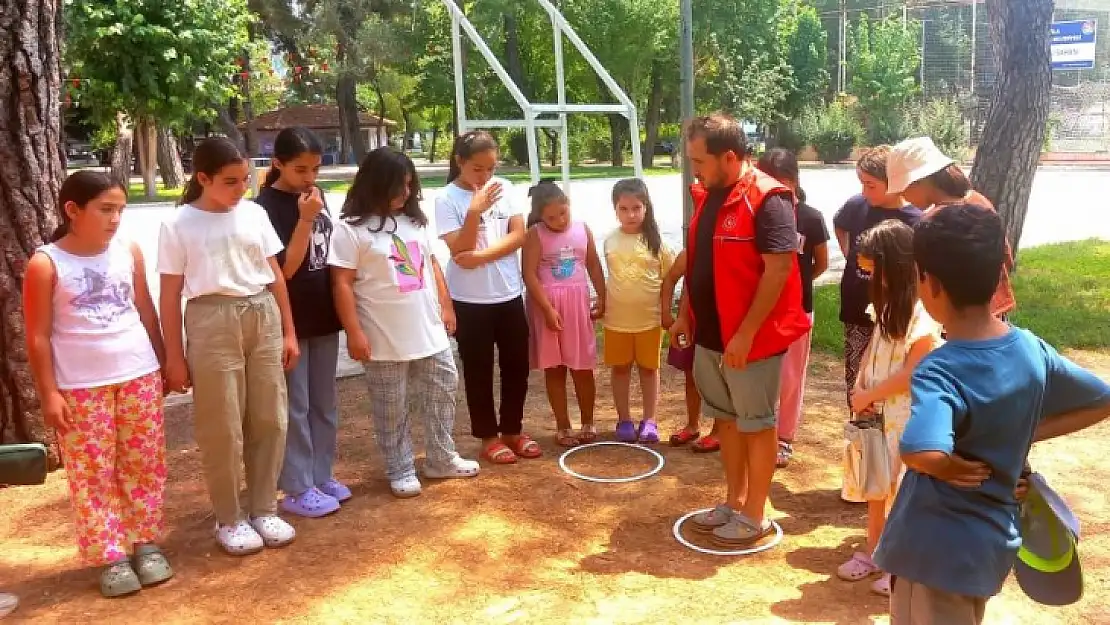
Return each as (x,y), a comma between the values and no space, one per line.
(532,111)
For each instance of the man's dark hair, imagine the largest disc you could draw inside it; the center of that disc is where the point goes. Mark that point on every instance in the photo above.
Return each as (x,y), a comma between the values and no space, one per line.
(722,133)
(963,246)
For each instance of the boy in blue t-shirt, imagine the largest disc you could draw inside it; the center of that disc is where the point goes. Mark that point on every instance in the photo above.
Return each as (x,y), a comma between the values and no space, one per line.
(978,403)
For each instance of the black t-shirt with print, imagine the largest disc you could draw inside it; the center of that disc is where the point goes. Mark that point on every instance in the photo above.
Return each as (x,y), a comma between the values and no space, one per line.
(855,218)
(812,232)
(310,287)
(775,232)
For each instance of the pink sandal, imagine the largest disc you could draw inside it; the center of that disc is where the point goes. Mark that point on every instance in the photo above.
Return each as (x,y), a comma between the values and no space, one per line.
(858,568)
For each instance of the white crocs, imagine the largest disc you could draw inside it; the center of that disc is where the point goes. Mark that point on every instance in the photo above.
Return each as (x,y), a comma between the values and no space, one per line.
(458,467)
(274,531)
(405,487)
(239,539)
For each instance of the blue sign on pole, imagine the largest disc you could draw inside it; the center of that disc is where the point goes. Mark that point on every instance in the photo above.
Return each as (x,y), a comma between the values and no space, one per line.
(1072,44)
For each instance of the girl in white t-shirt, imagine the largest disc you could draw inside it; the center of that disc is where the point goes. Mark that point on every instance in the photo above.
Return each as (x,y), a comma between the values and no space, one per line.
(904,334)
(218,252)
(392,300)
(96,353)
(484,230)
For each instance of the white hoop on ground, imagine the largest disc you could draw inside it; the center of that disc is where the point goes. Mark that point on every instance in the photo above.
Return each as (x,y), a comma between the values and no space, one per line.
(714,552)
(611,480)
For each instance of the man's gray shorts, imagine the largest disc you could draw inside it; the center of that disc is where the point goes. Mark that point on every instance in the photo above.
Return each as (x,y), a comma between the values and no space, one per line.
(749,395)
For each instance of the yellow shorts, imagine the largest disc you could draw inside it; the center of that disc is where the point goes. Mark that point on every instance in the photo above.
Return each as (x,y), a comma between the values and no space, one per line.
(641,348)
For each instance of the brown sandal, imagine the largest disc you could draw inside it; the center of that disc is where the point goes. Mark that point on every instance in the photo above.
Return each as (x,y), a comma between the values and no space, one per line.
(566,438)
(587,434)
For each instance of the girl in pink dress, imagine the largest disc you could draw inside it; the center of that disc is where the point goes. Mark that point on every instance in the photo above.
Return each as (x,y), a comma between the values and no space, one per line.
(558,256)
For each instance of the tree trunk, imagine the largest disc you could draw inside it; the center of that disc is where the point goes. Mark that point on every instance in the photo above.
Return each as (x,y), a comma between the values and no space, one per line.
(227,122)
(169,160)
(147,136)
(616,134)
(122,165)
(31,173)
(383,135)
(432,147)
(348,118)
(406,138)
(552,145)
(651,121)
(513,63)
(1006,160)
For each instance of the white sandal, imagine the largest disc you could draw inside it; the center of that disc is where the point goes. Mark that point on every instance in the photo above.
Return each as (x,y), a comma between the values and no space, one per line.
(406,487)
(458,467)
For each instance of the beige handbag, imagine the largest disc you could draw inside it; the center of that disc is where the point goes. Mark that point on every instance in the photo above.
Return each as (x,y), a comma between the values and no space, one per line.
(867,459)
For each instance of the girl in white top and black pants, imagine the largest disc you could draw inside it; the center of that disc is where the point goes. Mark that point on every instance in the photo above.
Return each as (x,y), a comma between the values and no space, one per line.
(484,231)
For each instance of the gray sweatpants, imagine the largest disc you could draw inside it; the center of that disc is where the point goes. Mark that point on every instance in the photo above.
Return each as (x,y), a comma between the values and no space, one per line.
(313,418)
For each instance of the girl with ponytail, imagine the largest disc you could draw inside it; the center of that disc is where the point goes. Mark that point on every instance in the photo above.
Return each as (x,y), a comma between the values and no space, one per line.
(96,356)
(484,229)
(299,214)
(220,253)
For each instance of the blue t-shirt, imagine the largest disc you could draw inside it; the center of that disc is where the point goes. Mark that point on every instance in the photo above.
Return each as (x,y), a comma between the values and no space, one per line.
(856,217)
(981,400)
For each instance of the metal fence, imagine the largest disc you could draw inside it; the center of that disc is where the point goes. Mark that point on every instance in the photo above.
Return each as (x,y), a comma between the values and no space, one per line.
(958,62)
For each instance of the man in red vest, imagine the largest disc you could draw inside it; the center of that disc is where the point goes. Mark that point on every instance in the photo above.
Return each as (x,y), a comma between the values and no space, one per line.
(743,306)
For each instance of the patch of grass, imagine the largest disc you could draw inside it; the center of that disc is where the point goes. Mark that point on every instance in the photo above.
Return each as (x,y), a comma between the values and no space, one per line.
(828,332)
(136,193)
(1062,292)
(586,172)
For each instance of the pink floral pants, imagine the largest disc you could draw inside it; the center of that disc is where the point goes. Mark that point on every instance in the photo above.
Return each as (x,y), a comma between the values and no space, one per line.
(115,458)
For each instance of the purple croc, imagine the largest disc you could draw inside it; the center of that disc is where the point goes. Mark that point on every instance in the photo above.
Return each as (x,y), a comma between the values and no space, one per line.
(626,431)
(649,432)
(335,489)
(311,504)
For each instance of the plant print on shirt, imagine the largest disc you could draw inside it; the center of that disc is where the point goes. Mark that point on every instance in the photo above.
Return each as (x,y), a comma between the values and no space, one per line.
(408,264)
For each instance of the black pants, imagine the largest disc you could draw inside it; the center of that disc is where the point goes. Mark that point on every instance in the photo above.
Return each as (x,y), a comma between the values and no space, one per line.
(481,327)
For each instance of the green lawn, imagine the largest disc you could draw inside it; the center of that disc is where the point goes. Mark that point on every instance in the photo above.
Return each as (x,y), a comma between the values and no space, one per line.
(585,172)
(137,194)
(1062,291)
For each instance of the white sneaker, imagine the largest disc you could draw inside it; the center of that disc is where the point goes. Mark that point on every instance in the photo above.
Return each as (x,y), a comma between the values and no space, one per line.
(274,531)
(458,467)
(405,487)
(239,539)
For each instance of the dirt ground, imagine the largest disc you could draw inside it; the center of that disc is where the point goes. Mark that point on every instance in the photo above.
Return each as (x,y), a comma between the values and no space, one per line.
(527,543)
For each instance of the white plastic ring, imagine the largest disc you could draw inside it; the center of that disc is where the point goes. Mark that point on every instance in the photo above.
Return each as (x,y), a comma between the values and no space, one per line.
(714,552)
(611,480)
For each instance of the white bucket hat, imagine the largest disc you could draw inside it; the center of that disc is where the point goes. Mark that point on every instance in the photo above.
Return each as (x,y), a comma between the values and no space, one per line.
(913,160)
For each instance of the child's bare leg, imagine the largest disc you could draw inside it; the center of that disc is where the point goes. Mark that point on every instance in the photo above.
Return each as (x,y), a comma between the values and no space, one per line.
(555,379)
(586,390)
(622,386)
(876,519)
(649,386)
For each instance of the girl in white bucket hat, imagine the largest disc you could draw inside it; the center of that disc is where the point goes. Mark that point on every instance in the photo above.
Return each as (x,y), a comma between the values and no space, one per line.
(929,179)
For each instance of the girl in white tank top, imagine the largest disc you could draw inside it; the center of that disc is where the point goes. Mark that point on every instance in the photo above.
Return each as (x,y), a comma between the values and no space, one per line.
(96,350)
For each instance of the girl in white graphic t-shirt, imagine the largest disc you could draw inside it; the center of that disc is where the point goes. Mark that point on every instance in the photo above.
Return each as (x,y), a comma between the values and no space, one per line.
(218,251)
(392,299)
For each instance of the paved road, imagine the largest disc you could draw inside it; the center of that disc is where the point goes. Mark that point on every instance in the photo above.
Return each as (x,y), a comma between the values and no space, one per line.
(1066,205)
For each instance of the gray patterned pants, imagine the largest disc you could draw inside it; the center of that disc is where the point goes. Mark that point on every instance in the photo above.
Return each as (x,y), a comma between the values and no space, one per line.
(428,385)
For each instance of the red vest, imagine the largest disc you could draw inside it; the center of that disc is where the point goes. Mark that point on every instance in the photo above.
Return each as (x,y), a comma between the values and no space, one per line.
(738,267)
